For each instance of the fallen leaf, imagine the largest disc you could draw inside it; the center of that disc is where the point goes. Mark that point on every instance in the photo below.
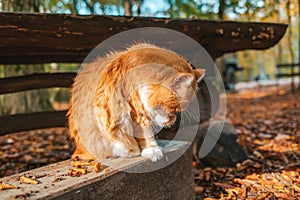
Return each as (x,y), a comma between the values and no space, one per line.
(198,189)
(279,186)
(24,179)
(96,166)
(80,164)
(5,186)
(77,171)
(296,188)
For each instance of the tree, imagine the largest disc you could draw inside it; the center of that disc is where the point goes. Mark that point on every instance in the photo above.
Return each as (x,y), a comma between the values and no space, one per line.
(127,7)
(221,9)
(22,5)
(290,31)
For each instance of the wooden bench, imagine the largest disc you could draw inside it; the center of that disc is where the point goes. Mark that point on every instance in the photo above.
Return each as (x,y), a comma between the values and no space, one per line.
(288,70)
(47,38)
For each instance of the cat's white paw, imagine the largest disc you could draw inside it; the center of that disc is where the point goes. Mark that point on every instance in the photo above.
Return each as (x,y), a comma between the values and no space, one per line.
(153,153)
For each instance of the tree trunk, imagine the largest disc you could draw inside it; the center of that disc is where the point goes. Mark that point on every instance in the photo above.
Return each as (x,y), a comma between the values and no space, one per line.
(138,4)
(290,39)
(290,32)
(279,56)
(221,9)
(90,6)
(299,34)
(127,7)
(74,9)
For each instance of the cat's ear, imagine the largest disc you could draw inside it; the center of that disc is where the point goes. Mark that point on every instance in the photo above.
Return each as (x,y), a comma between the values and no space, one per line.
(199,74)
(184,79)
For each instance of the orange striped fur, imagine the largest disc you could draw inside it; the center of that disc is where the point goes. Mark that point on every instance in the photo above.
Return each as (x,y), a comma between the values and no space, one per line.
(117,99)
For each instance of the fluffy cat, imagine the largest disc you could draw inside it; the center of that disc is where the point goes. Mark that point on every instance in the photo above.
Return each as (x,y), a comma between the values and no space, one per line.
(118,100)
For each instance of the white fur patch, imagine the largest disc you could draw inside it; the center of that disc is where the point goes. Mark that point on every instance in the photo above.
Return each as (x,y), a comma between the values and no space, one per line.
(144,97)
(119,150)
(161,120)
(153,153)
(188,81)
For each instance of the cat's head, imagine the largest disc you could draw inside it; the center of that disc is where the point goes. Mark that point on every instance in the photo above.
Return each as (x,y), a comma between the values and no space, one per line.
(163,101)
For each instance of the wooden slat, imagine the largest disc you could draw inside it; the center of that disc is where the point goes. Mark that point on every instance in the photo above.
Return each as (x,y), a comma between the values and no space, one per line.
(43,38)
(287,65)
(287,75)
(35,81)
(290,66)
(31,121)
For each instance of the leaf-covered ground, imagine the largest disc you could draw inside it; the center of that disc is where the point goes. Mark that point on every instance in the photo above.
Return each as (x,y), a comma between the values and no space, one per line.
(267,122)
(268,125)
(27,150)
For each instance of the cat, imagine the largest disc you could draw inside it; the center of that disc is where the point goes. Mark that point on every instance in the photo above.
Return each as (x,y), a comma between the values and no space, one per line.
(118,100)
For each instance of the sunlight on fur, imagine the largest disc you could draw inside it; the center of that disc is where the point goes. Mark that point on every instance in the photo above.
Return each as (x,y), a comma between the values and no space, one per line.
(117,101)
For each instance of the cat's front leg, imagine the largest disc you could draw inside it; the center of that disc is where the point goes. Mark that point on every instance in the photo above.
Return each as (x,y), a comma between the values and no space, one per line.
(148,145)
(154,153)
(125,145)
(121,149)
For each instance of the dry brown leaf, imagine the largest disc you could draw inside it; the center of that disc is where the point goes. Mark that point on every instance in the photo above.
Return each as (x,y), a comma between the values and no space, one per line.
(96,166)
(81,170)
(244,181)
(253,177)
(287,178)
(77,171)
(244,192)
(198,189)
(263,196)
(223,185)
(283,196)
(24,179)
(73,173)
(267,183)
(80,164)
(296,188)
(5,186)
(279,186)
(232,193)
(195,164)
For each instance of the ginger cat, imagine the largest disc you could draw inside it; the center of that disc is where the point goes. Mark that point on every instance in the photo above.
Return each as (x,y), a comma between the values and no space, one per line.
(118,100)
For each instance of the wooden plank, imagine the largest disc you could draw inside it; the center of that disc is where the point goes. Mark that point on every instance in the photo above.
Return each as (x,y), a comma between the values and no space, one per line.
(43,38)
(290,66)
(172,182)
(287,65)
(287,75)
(35,81)
(30,121)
